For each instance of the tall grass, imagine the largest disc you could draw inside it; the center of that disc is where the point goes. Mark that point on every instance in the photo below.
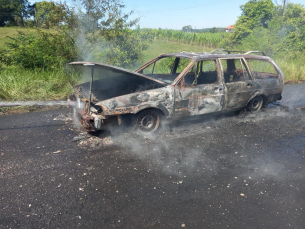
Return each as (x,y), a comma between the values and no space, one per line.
(294,70)
(36,84)
(211,40)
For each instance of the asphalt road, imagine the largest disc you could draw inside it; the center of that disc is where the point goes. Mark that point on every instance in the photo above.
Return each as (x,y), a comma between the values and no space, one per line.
(243,171)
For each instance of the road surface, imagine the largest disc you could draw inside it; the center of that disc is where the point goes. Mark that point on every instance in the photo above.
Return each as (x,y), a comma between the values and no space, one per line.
(244,171)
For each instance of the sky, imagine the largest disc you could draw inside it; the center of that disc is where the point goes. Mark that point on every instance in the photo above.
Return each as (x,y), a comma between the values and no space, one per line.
(174,14)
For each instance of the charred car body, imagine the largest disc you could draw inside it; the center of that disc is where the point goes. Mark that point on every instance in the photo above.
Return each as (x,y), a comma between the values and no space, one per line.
(175,85)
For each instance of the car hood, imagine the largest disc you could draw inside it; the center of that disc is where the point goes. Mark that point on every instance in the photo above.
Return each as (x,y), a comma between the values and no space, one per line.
(111,70)
(111,81)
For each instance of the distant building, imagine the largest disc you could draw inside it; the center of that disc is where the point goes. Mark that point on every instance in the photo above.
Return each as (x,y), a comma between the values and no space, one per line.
(230,29)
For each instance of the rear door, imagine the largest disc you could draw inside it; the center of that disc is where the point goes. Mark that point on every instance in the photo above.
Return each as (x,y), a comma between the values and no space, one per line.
(200,91)
(239,85)
(267,78)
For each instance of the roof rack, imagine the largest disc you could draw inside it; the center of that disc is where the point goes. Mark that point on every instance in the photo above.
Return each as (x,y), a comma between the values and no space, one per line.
(224,50)
(194,53)
(256,52)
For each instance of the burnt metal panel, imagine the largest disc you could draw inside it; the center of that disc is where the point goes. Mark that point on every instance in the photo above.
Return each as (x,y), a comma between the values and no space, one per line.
(114,69)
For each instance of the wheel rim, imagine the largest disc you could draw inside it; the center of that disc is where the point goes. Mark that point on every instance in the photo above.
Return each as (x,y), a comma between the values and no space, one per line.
(255,103)
(148,121)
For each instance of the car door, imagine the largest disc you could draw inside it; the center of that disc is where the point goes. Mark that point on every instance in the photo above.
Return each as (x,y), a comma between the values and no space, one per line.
(239,85)
(200,91)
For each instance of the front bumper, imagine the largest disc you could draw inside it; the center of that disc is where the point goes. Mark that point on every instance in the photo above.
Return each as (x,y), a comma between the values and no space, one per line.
(93,121)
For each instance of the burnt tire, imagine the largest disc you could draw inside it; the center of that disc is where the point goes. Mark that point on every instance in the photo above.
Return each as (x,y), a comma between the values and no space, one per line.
(255,104)
(147,121)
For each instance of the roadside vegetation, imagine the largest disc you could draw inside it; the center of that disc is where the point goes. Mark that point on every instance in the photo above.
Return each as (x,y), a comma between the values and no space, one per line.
(209,39)
(36,84)
(34,53)
(278,30)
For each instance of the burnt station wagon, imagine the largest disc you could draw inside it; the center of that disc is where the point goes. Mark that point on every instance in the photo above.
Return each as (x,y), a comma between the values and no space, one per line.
(175,85)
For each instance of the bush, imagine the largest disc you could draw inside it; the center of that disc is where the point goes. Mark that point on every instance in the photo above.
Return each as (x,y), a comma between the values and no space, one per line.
(39,49)
(126,50)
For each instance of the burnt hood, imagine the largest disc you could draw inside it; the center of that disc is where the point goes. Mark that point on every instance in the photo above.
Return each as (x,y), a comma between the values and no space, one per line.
(103,81)
(106,70)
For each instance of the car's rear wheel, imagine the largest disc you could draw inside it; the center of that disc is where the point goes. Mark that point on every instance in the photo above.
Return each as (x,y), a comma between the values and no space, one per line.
(255,104)
(147,121)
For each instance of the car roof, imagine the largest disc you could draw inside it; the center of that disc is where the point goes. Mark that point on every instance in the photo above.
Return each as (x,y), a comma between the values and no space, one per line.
(206,55)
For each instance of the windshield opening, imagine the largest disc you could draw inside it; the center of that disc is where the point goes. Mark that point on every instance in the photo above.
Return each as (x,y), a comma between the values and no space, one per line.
(166,69)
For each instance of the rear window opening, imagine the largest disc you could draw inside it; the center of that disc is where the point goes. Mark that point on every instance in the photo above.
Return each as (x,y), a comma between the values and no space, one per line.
(262,69)
(234,70)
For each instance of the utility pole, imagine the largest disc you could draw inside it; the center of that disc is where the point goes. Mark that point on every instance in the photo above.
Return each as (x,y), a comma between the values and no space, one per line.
(284,4)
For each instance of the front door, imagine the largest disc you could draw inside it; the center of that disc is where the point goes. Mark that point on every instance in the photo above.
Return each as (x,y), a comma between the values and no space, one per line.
(200,91)
(239,85)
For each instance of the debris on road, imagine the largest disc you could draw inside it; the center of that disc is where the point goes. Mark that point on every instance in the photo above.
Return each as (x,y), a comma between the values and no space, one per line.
(95,142)
(63,117)
(81,136)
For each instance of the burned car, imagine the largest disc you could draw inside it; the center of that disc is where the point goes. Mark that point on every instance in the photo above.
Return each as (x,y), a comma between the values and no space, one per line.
(174,85)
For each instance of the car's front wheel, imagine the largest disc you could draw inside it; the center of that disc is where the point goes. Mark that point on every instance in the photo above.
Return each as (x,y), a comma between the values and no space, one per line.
(255,104)
(147,121)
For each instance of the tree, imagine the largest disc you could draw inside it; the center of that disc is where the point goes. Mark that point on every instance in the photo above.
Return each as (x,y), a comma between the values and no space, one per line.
(98,23)
(14,12)
(255,13)
(98,31)
(187,28)
(49,14)
(285,35)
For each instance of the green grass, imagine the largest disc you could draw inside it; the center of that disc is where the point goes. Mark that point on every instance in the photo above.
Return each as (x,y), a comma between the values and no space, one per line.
(294,71)
(203,39)
(6,32)
(38,84)
(159,47)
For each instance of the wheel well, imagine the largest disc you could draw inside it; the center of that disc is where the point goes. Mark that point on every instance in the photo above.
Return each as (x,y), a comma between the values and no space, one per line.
(265,99)
(159,111)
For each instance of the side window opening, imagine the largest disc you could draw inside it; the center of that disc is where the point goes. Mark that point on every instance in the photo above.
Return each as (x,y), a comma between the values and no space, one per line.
(207,73)
(234,70)
(203,72)
(262,69)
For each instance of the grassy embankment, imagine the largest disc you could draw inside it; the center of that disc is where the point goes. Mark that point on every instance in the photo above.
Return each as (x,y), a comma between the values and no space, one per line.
(159,47)
(6,32)
(17,83)
(33,84)
(23,84)
(294,70)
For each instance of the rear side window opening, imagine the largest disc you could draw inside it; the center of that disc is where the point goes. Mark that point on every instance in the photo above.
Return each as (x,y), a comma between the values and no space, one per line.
(262,69)
(234,70)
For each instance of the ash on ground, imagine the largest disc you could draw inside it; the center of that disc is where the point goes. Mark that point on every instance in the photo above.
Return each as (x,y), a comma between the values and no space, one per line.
(181,128)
